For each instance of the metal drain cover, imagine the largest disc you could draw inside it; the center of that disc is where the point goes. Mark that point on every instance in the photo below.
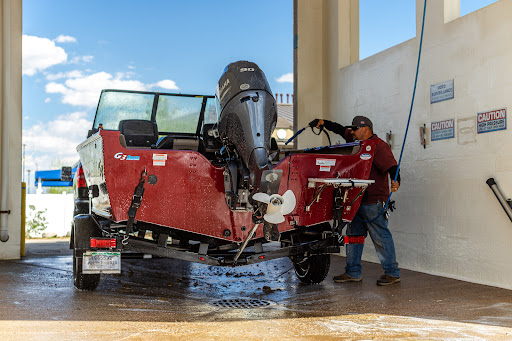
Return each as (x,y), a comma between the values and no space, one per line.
(241,303)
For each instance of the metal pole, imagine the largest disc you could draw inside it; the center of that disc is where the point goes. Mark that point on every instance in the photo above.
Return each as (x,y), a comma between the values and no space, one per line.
(249,236)
(504,203)
(28,181)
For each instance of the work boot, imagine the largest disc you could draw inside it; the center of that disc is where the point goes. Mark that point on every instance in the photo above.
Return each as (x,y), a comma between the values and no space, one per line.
(387,280)
(345,278)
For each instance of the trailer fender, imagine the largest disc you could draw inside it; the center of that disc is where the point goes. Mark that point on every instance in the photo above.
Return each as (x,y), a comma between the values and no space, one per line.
(85,227)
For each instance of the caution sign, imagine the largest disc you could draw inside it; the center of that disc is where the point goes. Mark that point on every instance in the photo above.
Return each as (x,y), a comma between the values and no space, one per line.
(442,130)
(491,120)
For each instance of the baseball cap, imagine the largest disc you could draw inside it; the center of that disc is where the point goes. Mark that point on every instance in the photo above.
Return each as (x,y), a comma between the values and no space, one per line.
(362,121)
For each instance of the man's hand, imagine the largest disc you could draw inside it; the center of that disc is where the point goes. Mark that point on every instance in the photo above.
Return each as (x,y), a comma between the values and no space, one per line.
(317,123)
(394,185)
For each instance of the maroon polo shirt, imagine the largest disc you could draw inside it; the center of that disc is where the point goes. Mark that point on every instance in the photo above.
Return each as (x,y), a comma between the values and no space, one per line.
(383,160)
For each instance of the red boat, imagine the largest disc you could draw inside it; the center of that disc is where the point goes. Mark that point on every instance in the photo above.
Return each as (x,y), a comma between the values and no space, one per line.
(197,178)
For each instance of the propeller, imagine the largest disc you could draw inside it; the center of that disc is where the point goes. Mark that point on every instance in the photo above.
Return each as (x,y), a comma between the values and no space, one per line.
(277,205)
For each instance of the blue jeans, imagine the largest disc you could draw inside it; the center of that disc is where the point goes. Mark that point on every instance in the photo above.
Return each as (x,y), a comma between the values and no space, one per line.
(381,237)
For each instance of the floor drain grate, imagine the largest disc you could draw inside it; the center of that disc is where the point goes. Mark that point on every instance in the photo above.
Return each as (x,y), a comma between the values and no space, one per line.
(241,303)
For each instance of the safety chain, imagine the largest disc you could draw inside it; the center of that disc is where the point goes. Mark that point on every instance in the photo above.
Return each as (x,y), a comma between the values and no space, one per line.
(337,210)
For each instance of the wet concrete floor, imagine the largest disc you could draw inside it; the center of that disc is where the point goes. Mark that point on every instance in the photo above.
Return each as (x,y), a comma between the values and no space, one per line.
(162,299)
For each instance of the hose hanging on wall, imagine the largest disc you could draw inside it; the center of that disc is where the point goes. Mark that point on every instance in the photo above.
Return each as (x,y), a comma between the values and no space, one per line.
(408,120)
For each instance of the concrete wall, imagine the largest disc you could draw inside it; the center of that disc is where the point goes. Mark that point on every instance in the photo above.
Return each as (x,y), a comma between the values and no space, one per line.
(448,221)
(11,118)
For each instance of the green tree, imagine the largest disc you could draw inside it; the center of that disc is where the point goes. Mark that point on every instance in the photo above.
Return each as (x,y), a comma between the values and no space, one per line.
(59,190)
(36,223)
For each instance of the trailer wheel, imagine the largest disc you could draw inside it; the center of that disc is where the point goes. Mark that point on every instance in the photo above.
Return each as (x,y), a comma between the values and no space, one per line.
(312,270)
(81,280)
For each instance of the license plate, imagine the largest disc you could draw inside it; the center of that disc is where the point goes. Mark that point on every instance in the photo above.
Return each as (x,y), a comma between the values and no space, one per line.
(102,262)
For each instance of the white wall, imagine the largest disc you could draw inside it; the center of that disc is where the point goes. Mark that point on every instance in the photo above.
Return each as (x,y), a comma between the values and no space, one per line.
(448,221)
(10,118)
(58,214)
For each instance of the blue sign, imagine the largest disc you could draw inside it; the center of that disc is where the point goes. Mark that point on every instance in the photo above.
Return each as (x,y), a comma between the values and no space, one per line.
(442,130)
(441,92)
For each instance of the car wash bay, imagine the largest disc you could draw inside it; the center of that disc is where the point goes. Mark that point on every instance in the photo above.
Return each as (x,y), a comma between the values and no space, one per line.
(159,298)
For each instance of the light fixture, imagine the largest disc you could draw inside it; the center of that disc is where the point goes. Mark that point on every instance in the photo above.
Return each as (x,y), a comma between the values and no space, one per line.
(281,134)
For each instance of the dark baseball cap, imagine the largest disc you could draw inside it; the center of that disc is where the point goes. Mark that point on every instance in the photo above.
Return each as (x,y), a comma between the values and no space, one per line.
(361,121)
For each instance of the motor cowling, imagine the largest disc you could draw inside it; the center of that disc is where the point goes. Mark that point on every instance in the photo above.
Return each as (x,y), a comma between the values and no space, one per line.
(248,114)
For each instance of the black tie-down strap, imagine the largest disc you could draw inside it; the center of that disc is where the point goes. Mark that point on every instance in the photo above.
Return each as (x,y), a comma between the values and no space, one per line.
(136,201)
(337,210)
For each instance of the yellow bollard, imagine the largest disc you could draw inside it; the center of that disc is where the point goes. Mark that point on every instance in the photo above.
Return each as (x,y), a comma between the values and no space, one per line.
(23,204)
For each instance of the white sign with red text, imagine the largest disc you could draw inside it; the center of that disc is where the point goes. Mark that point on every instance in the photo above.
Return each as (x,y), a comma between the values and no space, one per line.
(442,130)
(491,120)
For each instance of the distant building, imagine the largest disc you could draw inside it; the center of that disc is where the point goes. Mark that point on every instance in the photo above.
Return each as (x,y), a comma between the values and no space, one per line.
(284,126)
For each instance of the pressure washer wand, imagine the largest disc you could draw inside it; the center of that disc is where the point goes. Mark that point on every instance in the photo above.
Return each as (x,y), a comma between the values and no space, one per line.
(295,135)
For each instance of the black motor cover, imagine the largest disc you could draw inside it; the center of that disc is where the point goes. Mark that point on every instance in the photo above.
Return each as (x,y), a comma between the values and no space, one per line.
(248,114)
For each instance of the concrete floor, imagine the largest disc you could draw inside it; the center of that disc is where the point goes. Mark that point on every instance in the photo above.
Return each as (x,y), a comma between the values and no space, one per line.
(161,299)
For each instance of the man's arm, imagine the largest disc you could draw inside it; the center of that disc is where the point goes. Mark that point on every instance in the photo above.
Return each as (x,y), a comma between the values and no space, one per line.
(332,126)
(392,173)
(335,127)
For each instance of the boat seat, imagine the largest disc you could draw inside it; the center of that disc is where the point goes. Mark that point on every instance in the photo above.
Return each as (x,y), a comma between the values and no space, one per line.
(139,133)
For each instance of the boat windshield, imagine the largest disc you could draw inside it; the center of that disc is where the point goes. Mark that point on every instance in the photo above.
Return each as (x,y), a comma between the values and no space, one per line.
(172,113)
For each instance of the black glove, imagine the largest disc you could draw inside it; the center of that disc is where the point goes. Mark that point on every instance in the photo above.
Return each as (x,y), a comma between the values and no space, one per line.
(314,123)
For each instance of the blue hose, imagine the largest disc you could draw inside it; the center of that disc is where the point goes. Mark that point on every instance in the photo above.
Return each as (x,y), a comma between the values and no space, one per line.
(408,120)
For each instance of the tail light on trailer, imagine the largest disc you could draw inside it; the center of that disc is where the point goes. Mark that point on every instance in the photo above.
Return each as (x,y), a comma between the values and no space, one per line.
(103,243)
(353,239)
(81,183)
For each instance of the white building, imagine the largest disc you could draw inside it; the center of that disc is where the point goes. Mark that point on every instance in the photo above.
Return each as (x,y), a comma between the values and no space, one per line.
(448,220)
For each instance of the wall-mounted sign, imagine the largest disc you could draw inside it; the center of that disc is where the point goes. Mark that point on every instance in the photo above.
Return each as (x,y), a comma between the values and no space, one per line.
(491,120)
(441,92)
(442,130)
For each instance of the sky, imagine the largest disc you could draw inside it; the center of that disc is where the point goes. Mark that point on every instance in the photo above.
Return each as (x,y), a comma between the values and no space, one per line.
(74,49)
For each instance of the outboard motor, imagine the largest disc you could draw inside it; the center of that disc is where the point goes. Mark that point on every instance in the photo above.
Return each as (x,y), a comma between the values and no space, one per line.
(248,116)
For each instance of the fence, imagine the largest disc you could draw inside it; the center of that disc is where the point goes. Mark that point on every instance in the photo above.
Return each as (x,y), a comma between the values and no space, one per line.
(58,214)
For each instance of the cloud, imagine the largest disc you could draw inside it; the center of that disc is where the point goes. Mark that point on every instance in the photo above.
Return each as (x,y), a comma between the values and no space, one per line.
(81,59)
(59,75)
(55,140)
(84,90)
(40,54)
(166,84)
(47,100)
(65,39)
(286,78)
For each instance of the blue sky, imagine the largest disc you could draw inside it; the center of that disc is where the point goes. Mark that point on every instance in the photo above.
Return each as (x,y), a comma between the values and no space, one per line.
(73,49)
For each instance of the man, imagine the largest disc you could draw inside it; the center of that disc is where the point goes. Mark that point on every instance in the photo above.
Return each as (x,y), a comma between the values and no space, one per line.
(367,218)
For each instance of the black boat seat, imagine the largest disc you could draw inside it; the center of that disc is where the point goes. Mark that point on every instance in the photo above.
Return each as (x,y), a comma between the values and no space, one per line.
(139,133)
